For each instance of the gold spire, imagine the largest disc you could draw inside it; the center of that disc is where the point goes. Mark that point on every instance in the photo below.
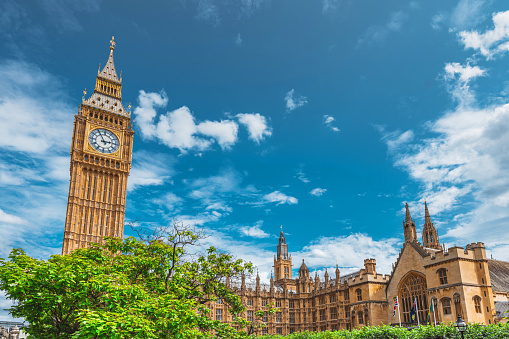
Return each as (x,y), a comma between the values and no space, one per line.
(109,71)
(112,44)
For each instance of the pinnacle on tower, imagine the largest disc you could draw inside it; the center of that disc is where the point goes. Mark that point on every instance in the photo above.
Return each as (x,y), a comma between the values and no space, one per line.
(408,217)
(429,233)
(409,226)
(109,71)
(427,218)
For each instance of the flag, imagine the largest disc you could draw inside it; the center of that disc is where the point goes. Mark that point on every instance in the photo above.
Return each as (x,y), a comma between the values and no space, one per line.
(413,312)
(431,309)
(396,305)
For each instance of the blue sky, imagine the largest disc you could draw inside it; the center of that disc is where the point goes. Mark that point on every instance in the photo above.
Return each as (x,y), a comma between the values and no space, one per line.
(321,116)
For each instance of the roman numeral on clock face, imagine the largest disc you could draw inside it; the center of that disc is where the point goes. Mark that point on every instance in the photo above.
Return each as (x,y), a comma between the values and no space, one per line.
(103,140)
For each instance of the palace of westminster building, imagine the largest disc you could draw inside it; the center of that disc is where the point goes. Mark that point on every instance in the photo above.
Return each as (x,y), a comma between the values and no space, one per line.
(458,280)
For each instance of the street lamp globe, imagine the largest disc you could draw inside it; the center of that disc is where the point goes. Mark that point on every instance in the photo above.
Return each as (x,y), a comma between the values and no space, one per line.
(461,325)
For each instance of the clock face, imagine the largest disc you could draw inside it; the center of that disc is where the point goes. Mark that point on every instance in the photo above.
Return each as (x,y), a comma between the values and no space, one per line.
(103,141)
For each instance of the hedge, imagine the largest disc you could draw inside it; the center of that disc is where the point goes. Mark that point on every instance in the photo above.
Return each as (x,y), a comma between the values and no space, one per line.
(474,331)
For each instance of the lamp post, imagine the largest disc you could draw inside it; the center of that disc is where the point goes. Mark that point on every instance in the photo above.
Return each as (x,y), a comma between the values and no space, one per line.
(461,326)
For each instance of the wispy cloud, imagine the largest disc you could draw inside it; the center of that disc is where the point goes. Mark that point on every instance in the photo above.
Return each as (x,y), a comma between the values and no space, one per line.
(318,192)
(179,128)
(254,231)
(150,169)
(302,177)
(349,252)
(238,40)
(376,34)
(280,198)
(329,120)
(491,42)
(294,101)
(466,14)
(256,125)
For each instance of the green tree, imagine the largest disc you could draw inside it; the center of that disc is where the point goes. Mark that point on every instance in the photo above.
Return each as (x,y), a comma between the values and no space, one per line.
(148,288)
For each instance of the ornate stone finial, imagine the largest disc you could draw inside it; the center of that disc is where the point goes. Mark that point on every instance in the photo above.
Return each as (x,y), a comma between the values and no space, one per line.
(281,228)
(84,93)
(112,43)
(129,106)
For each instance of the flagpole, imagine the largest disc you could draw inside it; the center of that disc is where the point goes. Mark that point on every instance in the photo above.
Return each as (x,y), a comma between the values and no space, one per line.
(399,313)
(434,314)
(417,312)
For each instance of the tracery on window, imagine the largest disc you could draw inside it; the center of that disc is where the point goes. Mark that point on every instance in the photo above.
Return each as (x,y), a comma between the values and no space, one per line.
(413,289)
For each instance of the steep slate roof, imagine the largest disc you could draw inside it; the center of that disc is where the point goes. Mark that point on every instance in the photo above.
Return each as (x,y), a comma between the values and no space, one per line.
(501,307)
(499,274)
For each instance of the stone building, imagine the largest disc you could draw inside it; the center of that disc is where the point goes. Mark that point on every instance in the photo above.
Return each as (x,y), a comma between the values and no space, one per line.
(458,281)
(101,152)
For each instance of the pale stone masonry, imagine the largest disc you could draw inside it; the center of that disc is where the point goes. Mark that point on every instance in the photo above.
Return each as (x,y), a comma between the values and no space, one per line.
(457,280)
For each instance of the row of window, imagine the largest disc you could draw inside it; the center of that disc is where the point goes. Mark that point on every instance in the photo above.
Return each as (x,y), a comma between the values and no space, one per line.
(97,161)
(105,117)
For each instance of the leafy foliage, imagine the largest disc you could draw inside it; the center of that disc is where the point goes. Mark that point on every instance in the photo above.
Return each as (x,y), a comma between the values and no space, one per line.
(147,288)
(474,331)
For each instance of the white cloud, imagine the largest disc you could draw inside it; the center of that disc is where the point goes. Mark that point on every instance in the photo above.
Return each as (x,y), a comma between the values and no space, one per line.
(256,125)
(460,90)
(33,118)
(466,14)
(328,120)
(317,192)
(224,132)
(349,252)
(466,73)
(302,177)
(10,219)
(395,140)
(254,231)
(179,129)
(466,163)
(294,101)
(491,42)
(149,169)
(280,198)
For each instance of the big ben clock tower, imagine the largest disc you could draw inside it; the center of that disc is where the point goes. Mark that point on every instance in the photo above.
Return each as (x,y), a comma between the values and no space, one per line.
(100,162)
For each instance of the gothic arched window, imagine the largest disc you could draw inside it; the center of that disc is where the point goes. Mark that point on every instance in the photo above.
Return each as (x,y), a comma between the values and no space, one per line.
(360,317)
(446,305)
(477,304)
(359,294)
(413,289)
(442,275)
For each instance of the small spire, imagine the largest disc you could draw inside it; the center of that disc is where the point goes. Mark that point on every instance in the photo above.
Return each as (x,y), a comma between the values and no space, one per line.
(84,93)
(109,72)
(112,44)
(408,217)
(427,218)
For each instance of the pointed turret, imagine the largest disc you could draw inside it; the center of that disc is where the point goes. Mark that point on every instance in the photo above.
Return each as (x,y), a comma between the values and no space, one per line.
(338,278)
(303,270)
(282,247)
(243,284)
(429,233)
(271,284)
(408,217)
(409,226)
(326,278)
(257,281)
(282,261)
(107,94)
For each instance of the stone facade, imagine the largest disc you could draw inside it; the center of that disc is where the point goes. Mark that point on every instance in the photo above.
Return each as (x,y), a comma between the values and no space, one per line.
(457,280)
(100,163)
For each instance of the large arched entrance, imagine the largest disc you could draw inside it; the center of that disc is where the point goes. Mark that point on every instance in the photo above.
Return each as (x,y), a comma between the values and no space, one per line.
(413,287)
